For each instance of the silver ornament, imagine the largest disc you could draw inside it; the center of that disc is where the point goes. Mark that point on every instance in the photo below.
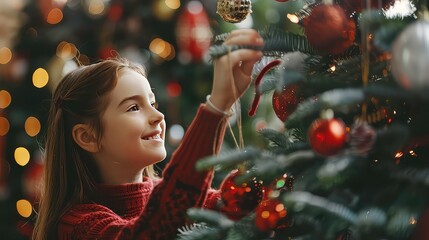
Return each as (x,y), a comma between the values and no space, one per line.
(234,11)
(410,57)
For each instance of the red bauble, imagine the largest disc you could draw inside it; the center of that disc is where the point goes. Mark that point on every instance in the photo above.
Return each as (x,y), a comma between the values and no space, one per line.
(193,32)
(285,102)
(329,30)
(327,136)
(351,6)
(270,214)
(240,199)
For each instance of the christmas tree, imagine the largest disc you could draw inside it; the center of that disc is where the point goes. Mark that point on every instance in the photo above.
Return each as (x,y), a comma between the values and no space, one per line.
(350,160)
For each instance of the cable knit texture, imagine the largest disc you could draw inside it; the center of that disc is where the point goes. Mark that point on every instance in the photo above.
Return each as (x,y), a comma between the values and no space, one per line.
(153,209)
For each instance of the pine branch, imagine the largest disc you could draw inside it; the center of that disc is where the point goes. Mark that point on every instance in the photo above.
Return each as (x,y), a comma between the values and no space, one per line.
(384,29)
(298,200)
(227,159)
(210,217)
(336,170)
(289,77)
(268,83)
(277,42)
(388,92)
(277,138)
(339,100)
(245,229)
(198,232)
(269,168)
(412,175)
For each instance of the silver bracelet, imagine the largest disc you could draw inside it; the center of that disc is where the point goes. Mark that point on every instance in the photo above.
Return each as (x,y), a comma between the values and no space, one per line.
(229,113)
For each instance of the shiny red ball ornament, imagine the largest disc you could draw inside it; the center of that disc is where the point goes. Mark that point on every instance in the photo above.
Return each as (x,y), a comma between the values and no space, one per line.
(327,136)
(351,6)
(270,214)
(239,199)
(193,32)
(329,30)
(285,102)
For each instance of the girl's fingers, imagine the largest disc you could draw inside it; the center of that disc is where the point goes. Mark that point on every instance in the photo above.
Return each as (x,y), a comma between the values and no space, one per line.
(247,67)
(244,37)
(245,57)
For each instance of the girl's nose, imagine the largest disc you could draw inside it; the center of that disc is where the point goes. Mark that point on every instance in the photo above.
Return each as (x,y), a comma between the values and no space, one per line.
(156,116)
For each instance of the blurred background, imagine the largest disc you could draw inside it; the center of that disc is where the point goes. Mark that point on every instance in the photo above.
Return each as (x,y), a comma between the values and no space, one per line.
(40,41)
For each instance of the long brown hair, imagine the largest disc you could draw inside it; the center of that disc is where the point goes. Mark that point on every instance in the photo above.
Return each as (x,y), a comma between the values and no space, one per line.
(70,173)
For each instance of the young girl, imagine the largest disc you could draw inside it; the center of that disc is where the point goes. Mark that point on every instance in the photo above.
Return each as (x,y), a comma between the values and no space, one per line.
(104,135)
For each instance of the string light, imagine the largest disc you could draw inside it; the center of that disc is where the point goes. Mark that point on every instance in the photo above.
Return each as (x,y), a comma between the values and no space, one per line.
(96,7)
(162,48)
(32,126)
(5,55)
(24,208)
(54,16)
(40,78)
(22,156)
(5,99)
(293,18)
(173,4)
(4,126)
(66,50)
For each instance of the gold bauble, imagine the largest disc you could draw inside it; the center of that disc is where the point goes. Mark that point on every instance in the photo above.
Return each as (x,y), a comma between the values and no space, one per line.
(234,11)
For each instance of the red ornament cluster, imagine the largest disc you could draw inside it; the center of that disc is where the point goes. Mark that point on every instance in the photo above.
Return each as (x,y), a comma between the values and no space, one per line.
(329,30)
(270,215)
(239,199)
(286,101)
(327,136)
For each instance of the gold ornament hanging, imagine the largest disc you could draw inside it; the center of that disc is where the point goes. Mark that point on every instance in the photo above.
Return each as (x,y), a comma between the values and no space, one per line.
(234,11)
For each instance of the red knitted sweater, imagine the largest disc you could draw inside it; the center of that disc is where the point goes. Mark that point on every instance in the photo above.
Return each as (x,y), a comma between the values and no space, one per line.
(152,209)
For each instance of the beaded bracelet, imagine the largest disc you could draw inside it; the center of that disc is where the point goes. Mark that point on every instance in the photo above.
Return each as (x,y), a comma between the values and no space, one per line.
(229,113)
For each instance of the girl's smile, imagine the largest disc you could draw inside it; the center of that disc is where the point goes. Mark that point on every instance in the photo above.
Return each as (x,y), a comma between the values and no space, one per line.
(133,130)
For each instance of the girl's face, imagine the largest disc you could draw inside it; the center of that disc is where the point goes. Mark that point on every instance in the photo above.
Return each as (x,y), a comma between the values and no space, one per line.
(134,130)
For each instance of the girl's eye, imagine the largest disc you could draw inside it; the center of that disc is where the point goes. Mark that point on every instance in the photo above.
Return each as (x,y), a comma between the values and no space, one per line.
(133,108)
(154,105)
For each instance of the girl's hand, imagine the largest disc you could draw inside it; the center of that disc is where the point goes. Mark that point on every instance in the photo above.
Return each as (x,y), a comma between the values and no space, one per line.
(234,70)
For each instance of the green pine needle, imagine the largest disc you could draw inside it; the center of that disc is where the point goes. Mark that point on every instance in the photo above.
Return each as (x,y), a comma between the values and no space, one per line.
(210,217)
(227,159)
(338,100)
(298,201)
(277,42)
(198,232)
(275,137)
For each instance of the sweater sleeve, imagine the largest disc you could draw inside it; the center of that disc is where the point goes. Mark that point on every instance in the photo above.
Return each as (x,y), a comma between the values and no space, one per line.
(181,188)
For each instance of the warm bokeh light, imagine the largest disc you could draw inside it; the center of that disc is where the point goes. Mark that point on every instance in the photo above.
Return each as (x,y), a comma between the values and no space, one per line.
(173,4)
(83,59)
(22,156)
(40,78)
(24,208)
(96,7)
(5,99)
(174,89)
(32,126)
(164,9)
(157,46)
(4,126)
(54,16)
(162,48)
(5,55)
(293,18)
(66,50)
